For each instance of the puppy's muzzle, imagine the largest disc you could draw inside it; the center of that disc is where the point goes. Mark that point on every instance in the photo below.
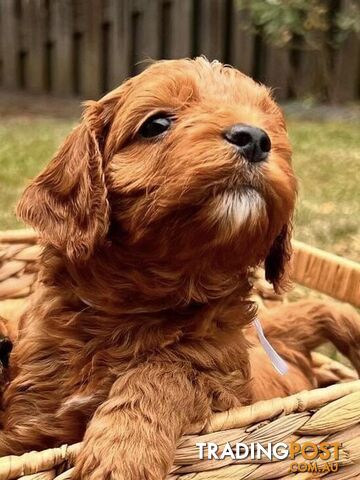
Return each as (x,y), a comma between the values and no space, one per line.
(253,143)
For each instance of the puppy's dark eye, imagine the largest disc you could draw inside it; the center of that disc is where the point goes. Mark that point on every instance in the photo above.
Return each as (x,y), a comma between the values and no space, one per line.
(155,126)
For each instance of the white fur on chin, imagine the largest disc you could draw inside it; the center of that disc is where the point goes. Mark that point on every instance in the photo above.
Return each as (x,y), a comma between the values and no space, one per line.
(235,209)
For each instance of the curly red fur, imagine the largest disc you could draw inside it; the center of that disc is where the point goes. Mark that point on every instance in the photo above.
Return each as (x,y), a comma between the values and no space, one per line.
(139,327)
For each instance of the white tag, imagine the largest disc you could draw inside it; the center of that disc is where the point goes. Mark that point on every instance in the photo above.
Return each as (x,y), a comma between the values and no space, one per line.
(278,363)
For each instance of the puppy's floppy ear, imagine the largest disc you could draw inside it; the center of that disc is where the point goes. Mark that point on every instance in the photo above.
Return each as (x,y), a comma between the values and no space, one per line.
(67,203)
(278,258)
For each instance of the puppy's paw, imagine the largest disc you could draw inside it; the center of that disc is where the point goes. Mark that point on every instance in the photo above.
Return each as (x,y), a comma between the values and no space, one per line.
(116,462)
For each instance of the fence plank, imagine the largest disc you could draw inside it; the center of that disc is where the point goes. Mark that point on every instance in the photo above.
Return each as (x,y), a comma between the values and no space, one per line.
(107,13)
(181,28)
(1,53)
(120,50)
(277,70)
(62,67)
(151,31)
(135,35)
(24,26)
(146,33)
(310,79)
(107,45)
(346,75)
(211,29)
(34,15)
(79,15)
(242,42)
(9,42)
(91,85)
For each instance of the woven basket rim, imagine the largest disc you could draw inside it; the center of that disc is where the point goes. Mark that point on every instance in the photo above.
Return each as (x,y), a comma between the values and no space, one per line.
(269,409)
(25,235)
(12,467)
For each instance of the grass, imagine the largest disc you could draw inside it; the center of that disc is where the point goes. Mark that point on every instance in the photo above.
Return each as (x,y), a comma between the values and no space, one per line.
(26,144)
(326,160)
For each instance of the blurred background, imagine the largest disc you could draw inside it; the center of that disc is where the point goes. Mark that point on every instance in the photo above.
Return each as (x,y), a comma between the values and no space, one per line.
(55,53)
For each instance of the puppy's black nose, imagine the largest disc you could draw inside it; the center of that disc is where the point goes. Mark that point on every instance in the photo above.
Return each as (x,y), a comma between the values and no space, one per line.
(253,143)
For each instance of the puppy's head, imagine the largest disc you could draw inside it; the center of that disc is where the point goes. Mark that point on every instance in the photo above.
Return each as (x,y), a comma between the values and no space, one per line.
(188,160)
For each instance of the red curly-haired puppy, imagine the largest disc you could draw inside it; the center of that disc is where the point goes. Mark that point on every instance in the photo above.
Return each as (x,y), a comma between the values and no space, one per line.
(152,213)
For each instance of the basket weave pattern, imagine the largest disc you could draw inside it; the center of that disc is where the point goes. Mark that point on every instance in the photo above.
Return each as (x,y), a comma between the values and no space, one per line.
(330,414)
(18,255)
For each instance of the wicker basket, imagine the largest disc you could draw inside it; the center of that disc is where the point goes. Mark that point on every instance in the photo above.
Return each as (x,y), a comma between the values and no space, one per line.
(329,414)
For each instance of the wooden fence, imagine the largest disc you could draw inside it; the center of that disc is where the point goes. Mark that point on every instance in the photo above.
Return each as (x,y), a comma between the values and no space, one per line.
(86,47)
